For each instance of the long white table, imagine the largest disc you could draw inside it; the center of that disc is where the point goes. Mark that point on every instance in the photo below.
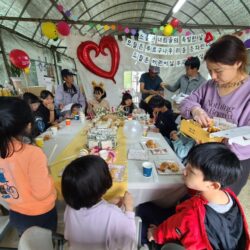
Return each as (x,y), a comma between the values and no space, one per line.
(165,190)
(64,136)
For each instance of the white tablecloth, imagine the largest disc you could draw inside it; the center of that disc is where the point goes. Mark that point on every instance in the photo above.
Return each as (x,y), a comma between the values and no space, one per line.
(164,190)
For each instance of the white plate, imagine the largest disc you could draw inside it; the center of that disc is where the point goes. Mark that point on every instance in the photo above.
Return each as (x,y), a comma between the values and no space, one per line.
(168,171)
(137,154)
(144,141)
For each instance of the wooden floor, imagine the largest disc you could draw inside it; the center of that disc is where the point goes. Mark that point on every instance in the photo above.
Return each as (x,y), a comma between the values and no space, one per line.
(11,237)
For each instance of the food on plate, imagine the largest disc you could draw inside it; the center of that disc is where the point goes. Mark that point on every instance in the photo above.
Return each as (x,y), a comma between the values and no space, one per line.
(46,137)
(151,144)
(168,165)
(212,129)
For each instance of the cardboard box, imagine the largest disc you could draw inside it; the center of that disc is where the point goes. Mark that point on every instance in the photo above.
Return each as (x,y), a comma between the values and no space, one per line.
(194,130)
(238,135)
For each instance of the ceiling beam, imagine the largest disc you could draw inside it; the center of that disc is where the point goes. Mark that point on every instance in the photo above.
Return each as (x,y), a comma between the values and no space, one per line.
(132,24)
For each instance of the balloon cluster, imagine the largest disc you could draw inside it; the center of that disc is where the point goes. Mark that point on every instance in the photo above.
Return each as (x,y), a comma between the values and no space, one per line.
(20,60)
(53,31)
(172,27)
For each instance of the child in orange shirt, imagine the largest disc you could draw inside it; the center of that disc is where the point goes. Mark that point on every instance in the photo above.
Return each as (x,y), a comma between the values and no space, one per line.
(25,182)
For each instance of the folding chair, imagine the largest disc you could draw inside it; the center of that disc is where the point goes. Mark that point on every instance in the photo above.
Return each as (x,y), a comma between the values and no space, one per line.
(39,239)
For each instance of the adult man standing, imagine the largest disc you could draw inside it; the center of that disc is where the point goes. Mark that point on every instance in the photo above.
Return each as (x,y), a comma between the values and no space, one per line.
(189,81)
(150,84)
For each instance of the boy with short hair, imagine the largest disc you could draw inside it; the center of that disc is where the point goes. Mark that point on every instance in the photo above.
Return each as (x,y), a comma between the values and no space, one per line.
(213,218)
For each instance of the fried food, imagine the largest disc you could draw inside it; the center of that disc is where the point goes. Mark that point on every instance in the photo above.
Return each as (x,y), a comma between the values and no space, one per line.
(46,137)
(151,144)
(212,129)
(172,166)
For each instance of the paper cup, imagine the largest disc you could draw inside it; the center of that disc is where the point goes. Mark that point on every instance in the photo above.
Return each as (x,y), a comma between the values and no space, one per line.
(83,152)
(145,130)
(147,168)
(54,130)
(39,141)
(104,154)
(67,122)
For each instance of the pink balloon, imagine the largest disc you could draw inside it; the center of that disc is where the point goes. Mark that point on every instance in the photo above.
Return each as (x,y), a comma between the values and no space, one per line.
(60,8)
(19,58)
(63,28)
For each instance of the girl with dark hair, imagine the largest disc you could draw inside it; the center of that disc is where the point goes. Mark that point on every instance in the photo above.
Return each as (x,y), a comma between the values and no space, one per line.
(127,103)
(99,101)
(90,221)
(26,184)
(34,102)
(47,108)
(226,95)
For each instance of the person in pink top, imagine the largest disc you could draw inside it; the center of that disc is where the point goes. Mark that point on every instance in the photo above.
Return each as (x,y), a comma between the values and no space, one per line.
(90,221)
(226,95)
(25,182)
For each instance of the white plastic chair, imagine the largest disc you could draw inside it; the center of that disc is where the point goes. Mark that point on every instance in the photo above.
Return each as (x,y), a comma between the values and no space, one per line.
(138,223)
(4,219)
(37,238)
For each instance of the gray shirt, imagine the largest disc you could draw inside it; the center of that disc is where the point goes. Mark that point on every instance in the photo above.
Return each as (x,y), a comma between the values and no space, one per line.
(186,84)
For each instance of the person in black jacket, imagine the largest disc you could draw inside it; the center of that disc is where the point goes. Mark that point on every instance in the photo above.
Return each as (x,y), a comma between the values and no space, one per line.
(163,116)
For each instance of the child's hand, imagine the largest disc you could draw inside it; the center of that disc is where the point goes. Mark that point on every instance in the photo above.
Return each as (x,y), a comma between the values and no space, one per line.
(118,201)
(50,106)
(128,201)
(173,135)
(151,231)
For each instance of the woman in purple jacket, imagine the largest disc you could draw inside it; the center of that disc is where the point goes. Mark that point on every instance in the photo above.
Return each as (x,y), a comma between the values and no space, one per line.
(226,95)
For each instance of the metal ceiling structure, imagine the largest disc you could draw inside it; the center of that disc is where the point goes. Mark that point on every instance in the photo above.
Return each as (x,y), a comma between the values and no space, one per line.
(24,17)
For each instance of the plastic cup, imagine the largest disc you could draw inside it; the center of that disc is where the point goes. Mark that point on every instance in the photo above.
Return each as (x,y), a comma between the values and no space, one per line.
(77,117)
(147,168)
(67,122)
(145,130)
(104,154)
(39,141)
(54,130)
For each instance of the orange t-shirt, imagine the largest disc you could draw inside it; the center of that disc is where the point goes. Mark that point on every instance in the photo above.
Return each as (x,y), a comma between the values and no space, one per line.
(25,182)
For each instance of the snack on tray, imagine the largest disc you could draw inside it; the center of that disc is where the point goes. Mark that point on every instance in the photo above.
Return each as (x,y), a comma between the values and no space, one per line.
(170,166)
(151,144)
(46,137)
(213,129)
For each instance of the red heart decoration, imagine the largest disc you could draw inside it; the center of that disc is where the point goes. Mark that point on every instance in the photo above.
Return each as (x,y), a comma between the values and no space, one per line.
(83,54)
(209,37)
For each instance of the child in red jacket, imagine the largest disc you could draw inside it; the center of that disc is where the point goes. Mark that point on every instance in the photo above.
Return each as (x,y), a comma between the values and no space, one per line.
(213,218)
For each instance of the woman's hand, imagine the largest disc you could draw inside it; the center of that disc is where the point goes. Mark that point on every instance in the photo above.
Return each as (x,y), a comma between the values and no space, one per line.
(201,117)
(50,106)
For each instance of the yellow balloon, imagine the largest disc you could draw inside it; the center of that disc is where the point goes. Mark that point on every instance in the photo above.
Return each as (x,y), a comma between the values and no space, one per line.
(49,30)
(168,30)
(27,70)
(106,27)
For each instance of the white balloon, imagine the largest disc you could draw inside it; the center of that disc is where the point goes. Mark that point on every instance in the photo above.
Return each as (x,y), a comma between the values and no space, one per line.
(133,131)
